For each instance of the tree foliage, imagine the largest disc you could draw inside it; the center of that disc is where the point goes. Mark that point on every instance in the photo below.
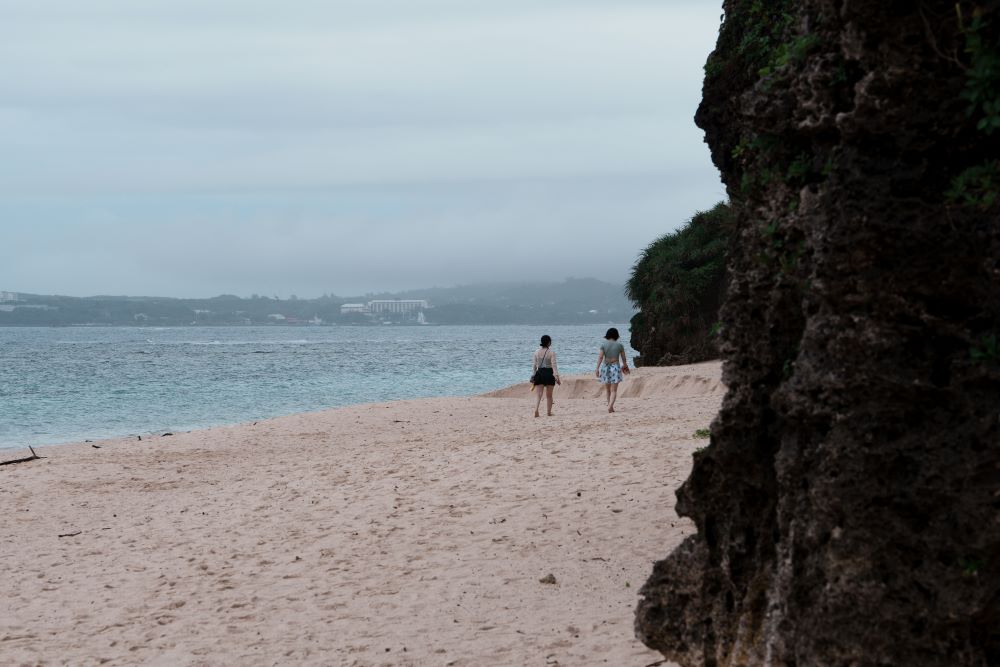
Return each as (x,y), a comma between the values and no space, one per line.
(677,284)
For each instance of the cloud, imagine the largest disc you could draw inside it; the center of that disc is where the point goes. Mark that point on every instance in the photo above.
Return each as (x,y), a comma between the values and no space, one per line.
(253,137)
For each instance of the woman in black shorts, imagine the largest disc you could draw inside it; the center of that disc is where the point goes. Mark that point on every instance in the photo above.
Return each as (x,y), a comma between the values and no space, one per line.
(545,373)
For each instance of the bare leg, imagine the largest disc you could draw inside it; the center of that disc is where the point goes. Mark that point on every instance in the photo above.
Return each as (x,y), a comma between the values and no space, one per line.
(538,399)
(614,396)
(607,394)
(548,399)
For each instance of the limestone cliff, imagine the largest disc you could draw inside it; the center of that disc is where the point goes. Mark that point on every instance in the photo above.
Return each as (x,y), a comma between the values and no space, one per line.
(847,506)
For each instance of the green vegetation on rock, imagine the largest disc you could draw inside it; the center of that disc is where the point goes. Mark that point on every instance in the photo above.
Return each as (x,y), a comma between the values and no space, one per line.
(979,186)
(982,88)
(677,284)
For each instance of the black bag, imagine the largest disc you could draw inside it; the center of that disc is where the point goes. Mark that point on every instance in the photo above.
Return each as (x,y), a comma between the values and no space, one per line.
(534,376)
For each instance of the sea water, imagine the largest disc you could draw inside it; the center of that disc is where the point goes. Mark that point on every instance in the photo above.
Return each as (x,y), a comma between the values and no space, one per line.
(71,384)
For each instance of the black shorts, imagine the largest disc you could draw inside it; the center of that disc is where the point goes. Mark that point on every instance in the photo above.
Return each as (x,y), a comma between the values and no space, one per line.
(545,377)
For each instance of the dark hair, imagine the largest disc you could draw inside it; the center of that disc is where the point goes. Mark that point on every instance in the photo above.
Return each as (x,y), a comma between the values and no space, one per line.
(612,334)
(546,341)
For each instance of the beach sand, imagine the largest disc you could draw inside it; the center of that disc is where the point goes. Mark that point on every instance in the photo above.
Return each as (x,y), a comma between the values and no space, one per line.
(405,533)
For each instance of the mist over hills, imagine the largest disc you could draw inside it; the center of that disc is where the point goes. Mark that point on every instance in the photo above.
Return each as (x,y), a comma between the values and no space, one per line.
(572,301)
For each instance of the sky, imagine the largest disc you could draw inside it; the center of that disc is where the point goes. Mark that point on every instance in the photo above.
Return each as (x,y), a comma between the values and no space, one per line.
(310,147)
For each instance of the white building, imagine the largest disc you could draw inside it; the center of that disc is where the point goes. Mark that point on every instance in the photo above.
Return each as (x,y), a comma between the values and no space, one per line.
(8,296)
(397,306)
(353,308)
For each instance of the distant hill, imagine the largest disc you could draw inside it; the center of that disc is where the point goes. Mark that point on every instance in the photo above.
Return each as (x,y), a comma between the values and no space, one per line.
(572,301)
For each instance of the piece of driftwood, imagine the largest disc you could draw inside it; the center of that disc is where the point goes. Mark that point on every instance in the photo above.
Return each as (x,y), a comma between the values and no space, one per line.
(71,534)
(24,460)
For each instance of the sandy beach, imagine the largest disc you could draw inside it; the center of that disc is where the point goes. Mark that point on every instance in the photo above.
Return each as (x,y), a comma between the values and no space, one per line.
(406,533)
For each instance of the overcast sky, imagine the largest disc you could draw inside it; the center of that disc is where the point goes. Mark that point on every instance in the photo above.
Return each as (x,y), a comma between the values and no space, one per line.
(193,147)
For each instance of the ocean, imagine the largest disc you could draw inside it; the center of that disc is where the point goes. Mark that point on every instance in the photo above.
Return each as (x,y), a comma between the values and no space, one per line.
(85,383)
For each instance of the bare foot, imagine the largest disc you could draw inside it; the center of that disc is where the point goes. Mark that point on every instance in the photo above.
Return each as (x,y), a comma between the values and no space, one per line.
(550,414)
(610,409)
(536,413)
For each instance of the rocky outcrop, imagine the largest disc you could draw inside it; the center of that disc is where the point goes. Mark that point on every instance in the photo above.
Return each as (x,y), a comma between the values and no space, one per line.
(847,506)
(678,284)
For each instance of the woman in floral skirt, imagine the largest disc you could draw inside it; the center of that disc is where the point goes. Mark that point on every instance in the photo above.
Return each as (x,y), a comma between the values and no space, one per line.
(609,371)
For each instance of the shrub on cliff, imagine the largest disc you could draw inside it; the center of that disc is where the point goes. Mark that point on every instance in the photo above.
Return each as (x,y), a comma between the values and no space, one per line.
(677,284)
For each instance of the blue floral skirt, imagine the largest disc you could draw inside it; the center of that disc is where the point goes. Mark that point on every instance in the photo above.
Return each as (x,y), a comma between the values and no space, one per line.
(610,373)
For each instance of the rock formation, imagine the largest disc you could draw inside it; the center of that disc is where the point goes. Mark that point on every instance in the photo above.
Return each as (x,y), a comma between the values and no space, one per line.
(678,284)
(848,506)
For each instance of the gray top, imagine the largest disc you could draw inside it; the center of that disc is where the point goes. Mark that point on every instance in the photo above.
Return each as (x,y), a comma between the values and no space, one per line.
(612,351)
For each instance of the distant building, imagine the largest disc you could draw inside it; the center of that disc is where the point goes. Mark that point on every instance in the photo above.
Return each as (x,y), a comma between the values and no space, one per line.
(277,317)
(8,296)
(353,308)
(397,306)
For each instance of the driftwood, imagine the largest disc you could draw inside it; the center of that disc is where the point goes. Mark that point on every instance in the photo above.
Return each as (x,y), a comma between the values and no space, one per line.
(24,460)
(71,534)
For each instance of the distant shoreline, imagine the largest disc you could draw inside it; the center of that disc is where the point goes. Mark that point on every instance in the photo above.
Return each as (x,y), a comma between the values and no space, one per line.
(573,301)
